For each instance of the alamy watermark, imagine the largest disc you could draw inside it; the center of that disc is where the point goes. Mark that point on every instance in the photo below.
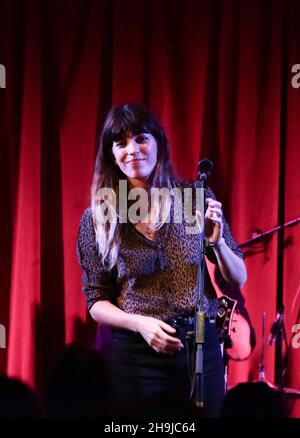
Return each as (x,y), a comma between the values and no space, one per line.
(296,78)
(2,76)
(2,336)
(186,206)
(296,336)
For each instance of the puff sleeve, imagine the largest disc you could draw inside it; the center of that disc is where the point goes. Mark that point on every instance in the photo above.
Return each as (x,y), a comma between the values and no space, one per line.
(98,283)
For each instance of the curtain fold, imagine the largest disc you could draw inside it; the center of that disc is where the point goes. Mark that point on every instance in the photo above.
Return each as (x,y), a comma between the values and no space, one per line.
(26,226)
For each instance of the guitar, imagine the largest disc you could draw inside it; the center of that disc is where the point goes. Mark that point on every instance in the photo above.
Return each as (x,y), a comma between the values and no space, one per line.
(226,308)
(234,329)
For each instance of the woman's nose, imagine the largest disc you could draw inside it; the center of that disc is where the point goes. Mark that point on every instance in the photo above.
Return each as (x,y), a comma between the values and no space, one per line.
(132,147)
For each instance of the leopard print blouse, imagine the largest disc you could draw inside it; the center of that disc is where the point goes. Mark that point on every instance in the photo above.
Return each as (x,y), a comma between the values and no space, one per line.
(154,278)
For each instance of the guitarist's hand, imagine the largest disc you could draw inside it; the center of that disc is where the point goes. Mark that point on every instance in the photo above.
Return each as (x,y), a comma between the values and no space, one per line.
(213,221)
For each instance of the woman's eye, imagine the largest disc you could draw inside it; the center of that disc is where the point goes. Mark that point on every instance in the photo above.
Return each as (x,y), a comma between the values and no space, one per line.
(141,139)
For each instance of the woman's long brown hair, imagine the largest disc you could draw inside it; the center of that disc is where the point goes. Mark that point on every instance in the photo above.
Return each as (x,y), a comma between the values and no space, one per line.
(134,119)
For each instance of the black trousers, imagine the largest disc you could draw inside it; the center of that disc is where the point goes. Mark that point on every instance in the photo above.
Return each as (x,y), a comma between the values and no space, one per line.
(139,372)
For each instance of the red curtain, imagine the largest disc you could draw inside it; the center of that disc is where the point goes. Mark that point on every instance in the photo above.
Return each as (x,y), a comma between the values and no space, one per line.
(217,74)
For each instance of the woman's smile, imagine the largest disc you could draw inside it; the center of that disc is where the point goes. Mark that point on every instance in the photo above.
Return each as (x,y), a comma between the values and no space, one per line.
(136,156)
(136,160)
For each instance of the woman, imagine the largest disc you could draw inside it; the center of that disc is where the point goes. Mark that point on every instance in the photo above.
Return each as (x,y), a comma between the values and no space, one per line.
(140,262)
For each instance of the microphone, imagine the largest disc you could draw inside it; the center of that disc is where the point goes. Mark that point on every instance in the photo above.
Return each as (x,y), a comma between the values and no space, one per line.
(204,169)
(276,326)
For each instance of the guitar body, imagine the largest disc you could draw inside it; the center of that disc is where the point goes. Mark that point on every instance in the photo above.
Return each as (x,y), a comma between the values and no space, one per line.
(234,330)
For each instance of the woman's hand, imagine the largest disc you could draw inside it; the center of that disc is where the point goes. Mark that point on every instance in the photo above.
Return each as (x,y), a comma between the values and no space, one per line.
(155,332)
(213,221)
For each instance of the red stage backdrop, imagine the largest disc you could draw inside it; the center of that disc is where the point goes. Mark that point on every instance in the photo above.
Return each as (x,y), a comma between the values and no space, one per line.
(217,74)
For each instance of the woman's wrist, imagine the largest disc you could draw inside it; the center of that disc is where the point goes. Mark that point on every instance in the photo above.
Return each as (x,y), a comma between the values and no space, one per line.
(134,322)
(216,245)
(219,245)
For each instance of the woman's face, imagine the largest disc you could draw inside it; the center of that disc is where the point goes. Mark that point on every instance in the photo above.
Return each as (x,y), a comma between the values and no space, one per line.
(136,156)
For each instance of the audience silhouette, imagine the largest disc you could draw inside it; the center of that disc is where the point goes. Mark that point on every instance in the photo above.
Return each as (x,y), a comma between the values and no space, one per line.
(253,400)
(79,385)
(17,400)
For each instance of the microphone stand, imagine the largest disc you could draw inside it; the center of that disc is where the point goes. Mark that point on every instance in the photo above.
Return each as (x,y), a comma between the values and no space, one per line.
(261,367)
(199,320)
(278,333)
(269,232)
